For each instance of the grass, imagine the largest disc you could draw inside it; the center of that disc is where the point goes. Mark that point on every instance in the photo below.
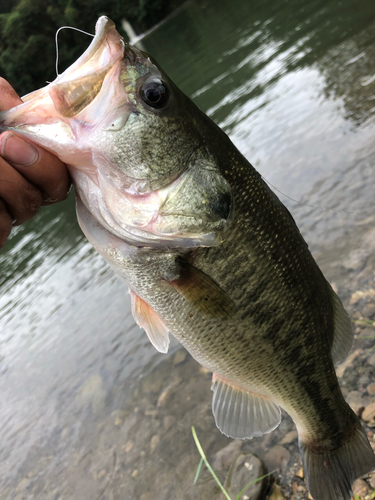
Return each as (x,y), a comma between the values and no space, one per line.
(204,461)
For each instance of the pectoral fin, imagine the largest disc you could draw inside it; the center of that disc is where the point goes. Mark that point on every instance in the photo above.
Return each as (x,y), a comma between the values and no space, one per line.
(146,318)
(203,292)
(241,414)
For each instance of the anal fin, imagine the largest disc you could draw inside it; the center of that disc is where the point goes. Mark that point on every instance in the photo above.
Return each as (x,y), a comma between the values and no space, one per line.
(241,414)
(146,318)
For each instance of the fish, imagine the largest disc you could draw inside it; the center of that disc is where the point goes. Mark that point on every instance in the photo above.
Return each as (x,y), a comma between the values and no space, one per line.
(208,251)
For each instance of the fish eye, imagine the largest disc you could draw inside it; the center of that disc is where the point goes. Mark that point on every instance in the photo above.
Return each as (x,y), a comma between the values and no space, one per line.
(154,93)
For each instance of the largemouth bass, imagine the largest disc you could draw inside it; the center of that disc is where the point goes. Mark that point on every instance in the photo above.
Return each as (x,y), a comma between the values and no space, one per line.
(208,251)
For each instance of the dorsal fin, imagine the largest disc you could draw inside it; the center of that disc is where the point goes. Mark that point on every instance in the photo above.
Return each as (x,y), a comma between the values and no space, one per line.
(146,318)
(241,414)
(343,331)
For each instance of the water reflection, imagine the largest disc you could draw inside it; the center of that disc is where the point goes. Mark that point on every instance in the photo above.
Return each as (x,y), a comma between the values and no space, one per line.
(292,83)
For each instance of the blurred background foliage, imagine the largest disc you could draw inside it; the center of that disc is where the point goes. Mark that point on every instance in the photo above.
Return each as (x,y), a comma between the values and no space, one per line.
(28,27)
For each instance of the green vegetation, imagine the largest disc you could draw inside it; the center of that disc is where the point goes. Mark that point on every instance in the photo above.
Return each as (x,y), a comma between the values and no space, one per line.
(204,460)
(28,27)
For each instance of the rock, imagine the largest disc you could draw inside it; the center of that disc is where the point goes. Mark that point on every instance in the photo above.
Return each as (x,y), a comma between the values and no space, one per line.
(300,473)
(155,440)
(224,458)
(289,438)
(179,357)
(134,473)
(355,401)
(356,259)
(363,380)
(372,481)
(368,414)
(360,488)
(360,294)
(92,386)
(277,458)
(102,473)
(294,487)
(371,389)
(168,422)
(167,393)
(348,362)
(371,360)
(247,468)
(92,392)
(151,412)
(128,446)
(369,311)
(204,370)
(277,493)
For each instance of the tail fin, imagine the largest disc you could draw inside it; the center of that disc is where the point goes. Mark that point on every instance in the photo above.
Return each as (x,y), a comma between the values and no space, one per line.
(329,475)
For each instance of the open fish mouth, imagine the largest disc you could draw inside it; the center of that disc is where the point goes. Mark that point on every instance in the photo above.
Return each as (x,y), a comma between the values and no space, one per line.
(108,118)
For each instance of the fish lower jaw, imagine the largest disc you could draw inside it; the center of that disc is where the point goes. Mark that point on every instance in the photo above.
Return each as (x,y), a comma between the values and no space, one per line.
(142,237)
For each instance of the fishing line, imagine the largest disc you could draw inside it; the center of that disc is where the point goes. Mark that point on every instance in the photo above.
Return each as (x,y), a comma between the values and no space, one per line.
(57,44)
(323,209)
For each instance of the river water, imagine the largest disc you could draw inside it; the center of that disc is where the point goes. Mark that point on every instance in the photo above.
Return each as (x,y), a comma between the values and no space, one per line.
(293,85)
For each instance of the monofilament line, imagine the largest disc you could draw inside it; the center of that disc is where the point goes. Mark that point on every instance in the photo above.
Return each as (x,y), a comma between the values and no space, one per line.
(57,45)
(323,209)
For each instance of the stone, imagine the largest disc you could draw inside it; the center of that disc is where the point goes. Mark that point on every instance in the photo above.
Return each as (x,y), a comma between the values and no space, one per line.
(355,401)
(92,386)
(371,388)
(155,440)
(348,362)
(246,469)
(224,458)
(277,458)
(168,422)
(368,414)
(92,392)
(128,446)
(371,360)
(356,259)
(102,473)
(369,311)
(166,394)
(363,380)
(289,438)
(204,370)
(360,488)
(372,481)
(179,357)
(134,473)
(300,473)
(277,493)
(362,294)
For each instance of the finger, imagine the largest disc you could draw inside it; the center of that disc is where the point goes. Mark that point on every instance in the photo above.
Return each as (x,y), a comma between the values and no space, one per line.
(22,198)
(38,166)
(5,224)
(9,97)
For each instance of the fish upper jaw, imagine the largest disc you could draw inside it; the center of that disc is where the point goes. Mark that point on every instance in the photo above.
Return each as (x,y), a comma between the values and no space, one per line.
(63,114)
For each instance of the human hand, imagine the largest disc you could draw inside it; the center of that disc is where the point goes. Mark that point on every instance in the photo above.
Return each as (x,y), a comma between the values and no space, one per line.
(30,176)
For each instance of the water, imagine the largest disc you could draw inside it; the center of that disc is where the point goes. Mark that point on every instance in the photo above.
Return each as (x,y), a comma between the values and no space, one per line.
(293,85)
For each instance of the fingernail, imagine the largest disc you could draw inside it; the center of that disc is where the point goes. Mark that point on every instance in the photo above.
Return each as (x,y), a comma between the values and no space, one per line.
(17,151)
